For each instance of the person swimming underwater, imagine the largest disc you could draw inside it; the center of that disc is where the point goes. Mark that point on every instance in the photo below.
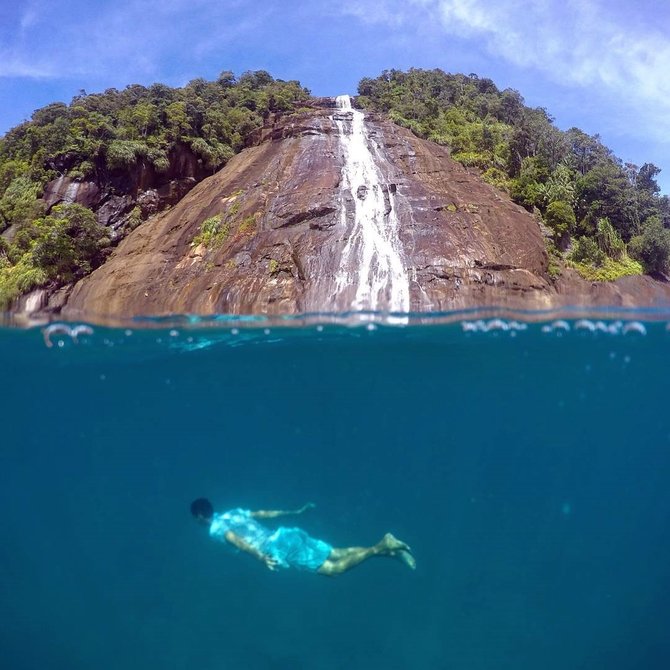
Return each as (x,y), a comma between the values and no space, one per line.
(284,547)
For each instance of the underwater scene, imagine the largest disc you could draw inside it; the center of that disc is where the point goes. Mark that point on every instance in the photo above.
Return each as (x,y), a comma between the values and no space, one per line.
(525,459)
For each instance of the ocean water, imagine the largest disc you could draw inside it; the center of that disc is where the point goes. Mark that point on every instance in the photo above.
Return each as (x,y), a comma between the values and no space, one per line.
(528,465)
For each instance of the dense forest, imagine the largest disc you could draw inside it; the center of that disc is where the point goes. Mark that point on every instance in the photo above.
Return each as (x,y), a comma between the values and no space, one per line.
(604,217)
(607,218)
(101,138)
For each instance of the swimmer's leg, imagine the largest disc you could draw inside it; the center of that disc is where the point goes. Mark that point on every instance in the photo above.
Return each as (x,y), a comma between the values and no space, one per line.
(341,560)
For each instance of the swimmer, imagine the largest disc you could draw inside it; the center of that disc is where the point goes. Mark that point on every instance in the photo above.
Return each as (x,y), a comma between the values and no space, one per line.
(290,547)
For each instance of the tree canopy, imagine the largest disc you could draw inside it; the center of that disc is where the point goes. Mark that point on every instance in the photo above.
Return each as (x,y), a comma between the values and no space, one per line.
(112,130)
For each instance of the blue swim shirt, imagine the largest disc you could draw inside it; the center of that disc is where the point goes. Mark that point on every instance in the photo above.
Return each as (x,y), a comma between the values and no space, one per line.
(240,522)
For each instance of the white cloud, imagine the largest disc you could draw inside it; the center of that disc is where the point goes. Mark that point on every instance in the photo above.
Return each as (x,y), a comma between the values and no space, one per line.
(574,42)
(13,63)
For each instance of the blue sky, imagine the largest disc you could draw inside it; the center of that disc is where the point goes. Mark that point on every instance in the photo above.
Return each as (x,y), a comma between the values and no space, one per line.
(603,66)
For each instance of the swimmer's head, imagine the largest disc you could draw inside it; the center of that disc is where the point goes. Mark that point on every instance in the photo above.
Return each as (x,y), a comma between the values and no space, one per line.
(202,510)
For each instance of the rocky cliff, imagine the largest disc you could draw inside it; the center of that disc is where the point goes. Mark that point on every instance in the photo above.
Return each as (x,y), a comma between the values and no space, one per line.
(334,210)
(115,194)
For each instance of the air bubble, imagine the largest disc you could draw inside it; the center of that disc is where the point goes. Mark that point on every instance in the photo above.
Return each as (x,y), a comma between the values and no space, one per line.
(63,329)
(634,327)
(585,324)
(480,326)
(497,324)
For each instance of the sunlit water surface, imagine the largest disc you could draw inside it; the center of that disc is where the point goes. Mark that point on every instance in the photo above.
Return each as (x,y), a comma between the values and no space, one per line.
(527,463)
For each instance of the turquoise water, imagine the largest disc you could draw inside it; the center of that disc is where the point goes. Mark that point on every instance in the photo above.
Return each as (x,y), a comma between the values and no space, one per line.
(528,465)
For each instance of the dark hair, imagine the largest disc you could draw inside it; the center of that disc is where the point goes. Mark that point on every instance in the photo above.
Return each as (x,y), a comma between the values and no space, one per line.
(202,508)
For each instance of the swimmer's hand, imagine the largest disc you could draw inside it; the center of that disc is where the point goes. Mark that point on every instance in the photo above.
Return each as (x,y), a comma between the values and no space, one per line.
(271,562)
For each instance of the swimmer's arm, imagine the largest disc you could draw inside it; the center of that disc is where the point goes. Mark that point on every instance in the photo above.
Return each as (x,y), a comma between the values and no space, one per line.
(243,545)
(273,513)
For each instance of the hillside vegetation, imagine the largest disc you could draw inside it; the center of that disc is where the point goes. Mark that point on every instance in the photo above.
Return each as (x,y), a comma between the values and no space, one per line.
(607,218)
(102,136)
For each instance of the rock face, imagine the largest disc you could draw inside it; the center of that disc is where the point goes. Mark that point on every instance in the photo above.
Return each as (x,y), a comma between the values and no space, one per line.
(114,195)
(330,211)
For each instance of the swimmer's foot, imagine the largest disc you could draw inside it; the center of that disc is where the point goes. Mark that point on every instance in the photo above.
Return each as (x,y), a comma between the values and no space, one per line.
(406,558)
(392,543)
(394,547)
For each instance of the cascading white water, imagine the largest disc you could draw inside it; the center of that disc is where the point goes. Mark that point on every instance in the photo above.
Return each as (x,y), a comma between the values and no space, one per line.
(71,192)
(372,258)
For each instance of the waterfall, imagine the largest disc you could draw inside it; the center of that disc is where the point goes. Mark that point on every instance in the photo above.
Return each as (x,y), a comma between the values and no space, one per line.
(372,259)
(71,192)
(34,301)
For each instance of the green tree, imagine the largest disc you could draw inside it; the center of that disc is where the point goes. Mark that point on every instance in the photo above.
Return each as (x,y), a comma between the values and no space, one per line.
(560,186)
(585,151)
(122,154)
(561,219)
(646,190)
(226,79)
(176,120)
(68,242)
(609,241)
(586,250)
(527,188)
(652,247)
(19,201)
(605,192)
(256,79)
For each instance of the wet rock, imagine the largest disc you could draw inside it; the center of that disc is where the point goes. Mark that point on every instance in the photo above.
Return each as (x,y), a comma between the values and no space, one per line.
(66,190)
(112,212)
(58,298)
(149,202)
(463,243)
(114,194)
